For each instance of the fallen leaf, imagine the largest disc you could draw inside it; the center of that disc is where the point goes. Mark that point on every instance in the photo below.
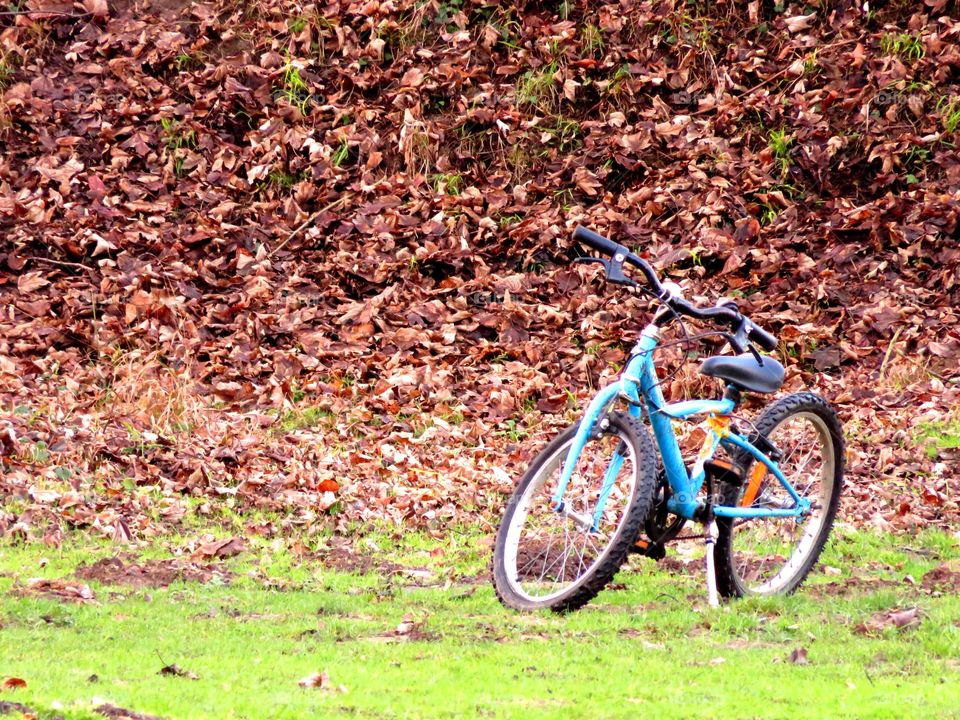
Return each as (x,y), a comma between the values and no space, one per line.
(328,486)
(797,23)
(63,589)
(798,657)
(175,670)
(221,548)
(118,713)
(316,680)
(906,619)
(97,8)
(31,281)
(909,618)
(407,625)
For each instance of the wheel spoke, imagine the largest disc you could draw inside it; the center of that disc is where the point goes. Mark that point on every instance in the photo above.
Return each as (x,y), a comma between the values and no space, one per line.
(553,554)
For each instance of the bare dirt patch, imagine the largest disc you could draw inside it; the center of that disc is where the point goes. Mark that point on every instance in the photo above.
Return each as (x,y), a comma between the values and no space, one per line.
(942,578)
(677,566)
(346,559)
(9,708)
(151,573)
(119,713)
(852,585)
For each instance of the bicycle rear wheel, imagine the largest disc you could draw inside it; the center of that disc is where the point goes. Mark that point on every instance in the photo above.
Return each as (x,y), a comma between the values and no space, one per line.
(769,556)
(545,558)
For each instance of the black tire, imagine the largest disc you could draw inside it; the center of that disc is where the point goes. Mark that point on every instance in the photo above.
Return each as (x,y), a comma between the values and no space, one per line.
(731,565)
(613,554)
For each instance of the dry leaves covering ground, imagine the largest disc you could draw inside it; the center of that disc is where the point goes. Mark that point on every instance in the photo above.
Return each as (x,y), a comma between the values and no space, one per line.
(314,258)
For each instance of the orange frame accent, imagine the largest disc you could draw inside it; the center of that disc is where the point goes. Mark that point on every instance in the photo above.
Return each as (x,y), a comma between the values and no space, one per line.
(754,485)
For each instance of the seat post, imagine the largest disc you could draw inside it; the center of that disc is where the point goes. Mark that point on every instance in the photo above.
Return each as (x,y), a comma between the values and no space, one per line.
(732,392)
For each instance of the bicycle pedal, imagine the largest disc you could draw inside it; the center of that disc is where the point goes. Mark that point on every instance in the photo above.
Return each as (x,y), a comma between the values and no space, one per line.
(654,551)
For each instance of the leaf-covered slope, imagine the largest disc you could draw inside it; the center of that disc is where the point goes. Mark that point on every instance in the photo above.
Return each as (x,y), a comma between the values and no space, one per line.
(284,255)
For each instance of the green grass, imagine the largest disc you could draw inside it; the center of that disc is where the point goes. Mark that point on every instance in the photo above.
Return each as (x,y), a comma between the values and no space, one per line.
(903,45)
(592,38)
(296,25)
(940,435)
(780,142)
(949,110)
(537,89)
(565,131)
(282,179)
(308,417)
(447,184)
(649,649)
(7,70)
(293,88)
(188,61)
(175,136)
(341,154)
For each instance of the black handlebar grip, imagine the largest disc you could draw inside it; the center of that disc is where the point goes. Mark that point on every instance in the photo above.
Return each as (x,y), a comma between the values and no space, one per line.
(762,338)
(594,240)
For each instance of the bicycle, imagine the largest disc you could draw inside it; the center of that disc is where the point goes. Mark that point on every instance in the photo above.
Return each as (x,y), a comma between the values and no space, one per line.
(602,489)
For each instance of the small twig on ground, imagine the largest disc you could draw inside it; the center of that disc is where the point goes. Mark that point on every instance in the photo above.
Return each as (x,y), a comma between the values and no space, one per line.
(886,357)
(62,263)
(304,225)
(45,13)
(923,552)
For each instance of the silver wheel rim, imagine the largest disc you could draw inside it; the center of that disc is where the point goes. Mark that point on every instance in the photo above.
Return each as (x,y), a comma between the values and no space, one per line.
(565,548)
(809,464)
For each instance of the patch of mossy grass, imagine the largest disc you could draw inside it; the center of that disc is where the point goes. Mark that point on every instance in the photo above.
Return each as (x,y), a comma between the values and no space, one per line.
(650,647)
(939,435)
(537,89)
(293,88)
(903,45)
(949,111)
(7,69)
(780,142)
(300,418)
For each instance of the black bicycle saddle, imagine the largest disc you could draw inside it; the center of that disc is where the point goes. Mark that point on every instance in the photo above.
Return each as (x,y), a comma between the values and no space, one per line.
(744,372)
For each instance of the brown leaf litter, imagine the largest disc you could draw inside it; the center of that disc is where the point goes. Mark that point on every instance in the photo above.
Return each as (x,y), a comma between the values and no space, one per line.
(150,573)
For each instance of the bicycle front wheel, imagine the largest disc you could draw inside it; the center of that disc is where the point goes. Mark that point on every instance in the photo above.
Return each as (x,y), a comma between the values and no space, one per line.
(769,556)
(560,558)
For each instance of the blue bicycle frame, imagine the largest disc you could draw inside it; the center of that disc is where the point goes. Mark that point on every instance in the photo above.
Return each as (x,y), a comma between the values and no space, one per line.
(639,387)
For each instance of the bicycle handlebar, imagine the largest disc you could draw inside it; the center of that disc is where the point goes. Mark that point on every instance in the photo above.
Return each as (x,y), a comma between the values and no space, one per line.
(609,247)
(721,313)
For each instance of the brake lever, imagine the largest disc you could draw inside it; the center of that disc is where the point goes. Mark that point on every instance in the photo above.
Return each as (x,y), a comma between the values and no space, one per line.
(613,269)
(742,337)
